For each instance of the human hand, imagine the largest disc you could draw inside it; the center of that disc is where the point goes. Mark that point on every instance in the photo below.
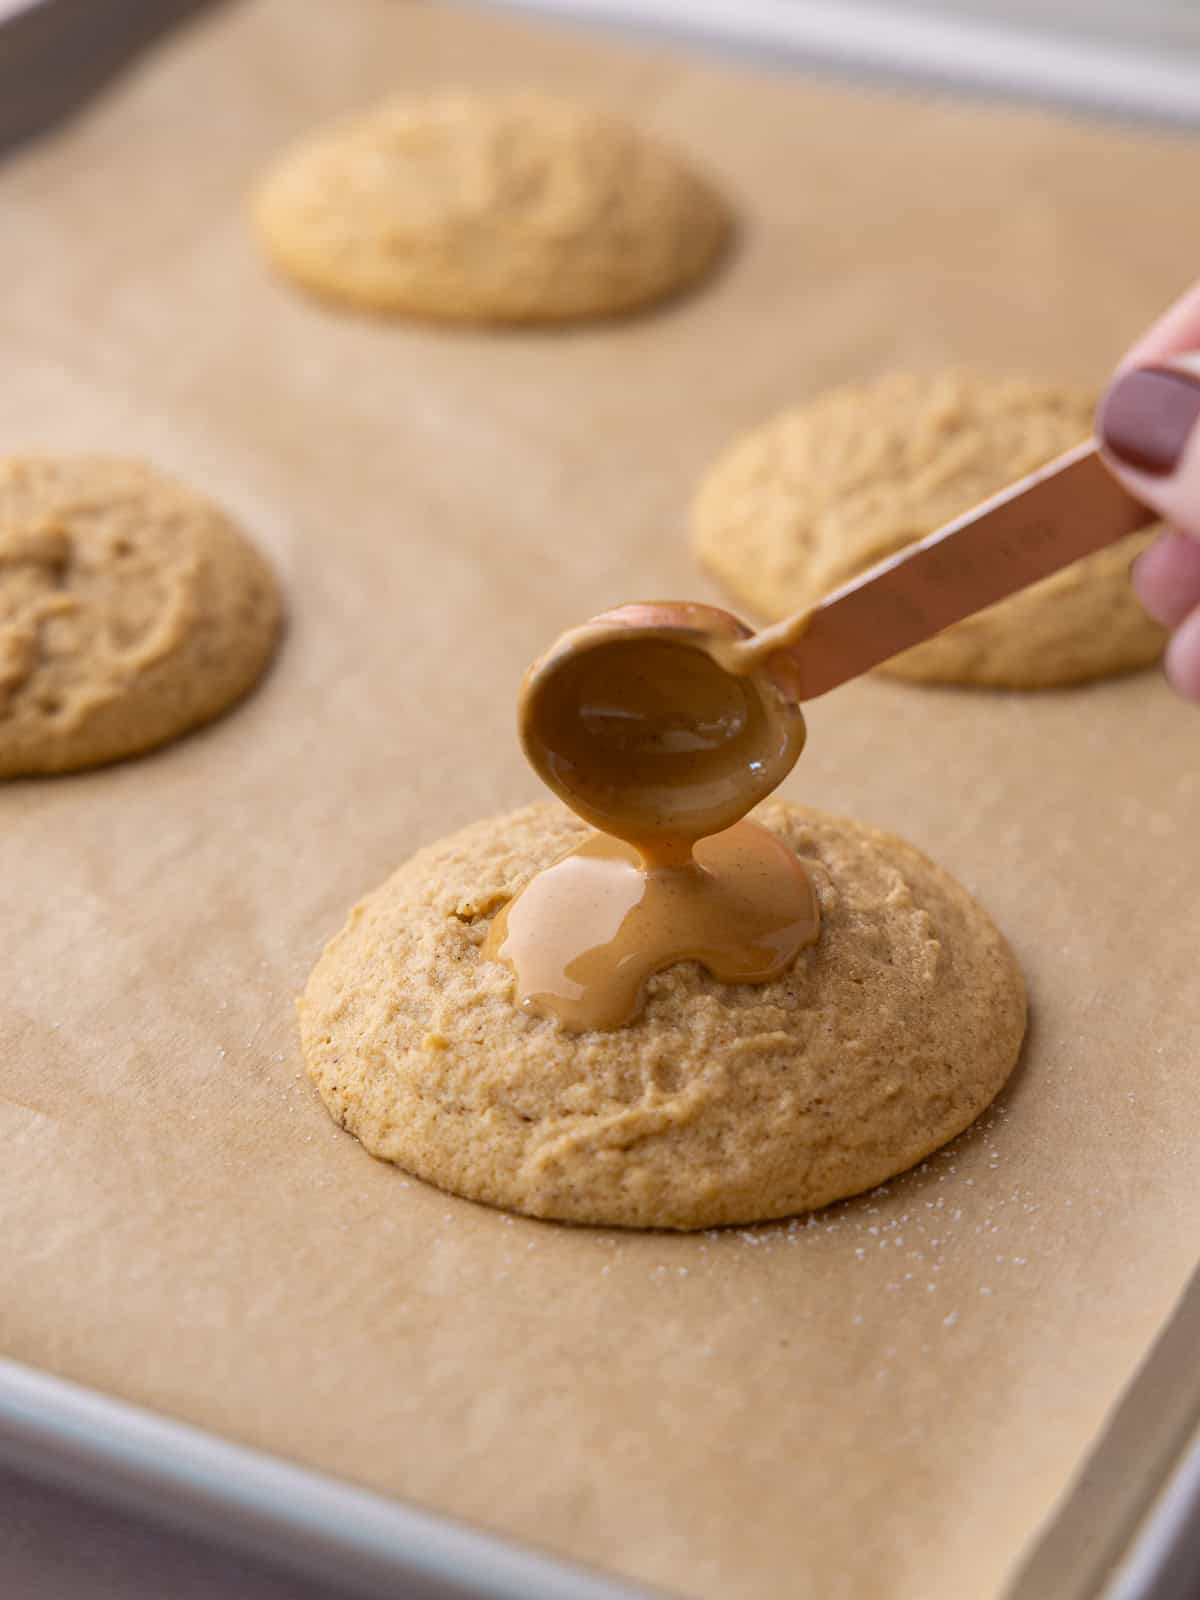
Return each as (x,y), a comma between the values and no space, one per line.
(1148,426)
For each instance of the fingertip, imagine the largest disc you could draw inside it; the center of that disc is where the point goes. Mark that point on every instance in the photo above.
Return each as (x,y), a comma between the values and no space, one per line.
(1182,661)
(1166,577)
(1146,574)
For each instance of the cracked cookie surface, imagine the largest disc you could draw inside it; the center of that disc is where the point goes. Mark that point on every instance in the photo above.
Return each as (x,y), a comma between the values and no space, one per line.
(131,610)
(817,495)
(515,207)
(720,1103)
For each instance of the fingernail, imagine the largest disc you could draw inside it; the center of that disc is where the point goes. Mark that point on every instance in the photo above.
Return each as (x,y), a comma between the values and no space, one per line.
(1147,417)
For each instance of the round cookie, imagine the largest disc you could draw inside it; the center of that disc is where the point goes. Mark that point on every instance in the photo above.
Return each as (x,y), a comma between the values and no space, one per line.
(487,208)
(817,495)
(720,1103)
(131,610)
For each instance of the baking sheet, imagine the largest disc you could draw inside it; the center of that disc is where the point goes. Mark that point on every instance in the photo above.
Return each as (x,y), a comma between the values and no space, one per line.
(1130,1528)
(884,1400)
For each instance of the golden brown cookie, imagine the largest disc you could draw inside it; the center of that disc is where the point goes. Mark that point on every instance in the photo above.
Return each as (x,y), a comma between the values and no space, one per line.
(720,1103)
(130,611)
(808,500)
(487,208)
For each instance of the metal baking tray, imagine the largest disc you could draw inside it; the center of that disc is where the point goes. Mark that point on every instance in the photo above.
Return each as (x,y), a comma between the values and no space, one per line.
(303,1521)
(1121,1534)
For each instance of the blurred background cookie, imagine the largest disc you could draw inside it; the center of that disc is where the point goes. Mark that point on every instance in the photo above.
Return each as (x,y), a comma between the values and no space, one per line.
(720,1103)
(131,610)
(488,208)
(818,494)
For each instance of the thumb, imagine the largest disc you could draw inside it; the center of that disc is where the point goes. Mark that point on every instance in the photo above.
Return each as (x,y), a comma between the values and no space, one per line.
(1148,426)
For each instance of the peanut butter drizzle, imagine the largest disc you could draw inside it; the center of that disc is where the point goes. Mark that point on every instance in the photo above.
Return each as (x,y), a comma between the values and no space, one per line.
(658,726)
(585,934)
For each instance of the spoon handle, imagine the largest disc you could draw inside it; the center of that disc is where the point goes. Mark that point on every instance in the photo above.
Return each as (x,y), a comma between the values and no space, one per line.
(1058,514)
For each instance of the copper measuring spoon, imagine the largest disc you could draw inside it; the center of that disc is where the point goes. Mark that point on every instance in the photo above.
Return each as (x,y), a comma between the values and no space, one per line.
(671,719)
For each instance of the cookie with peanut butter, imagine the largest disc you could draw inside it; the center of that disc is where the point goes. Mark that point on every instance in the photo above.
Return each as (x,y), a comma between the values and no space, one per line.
(131,610)
(720,1103)
(511,207)
(815,496)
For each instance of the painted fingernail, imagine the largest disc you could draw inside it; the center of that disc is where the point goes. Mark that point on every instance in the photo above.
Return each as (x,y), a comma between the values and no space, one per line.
(1147,417)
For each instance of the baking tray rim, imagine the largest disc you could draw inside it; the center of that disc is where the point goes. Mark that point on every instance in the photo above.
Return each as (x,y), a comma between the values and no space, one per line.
(315,1524)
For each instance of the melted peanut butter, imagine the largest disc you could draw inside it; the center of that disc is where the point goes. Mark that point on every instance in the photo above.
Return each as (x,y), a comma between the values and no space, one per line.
(661,725)
(586,933)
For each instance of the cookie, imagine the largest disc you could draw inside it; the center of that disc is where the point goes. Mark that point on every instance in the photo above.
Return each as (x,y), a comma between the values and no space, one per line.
(720,1103)
(131,610)
(488,208)
(819,494)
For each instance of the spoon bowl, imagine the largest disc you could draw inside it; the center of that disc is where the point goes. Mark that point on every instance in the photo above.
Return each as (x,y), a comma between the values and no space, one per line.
(650,725)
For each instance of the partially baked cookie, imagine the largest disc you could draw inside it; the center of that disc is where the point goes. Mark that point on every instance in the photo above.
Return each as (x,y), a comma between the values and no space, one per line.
(488,208)
(817,495)
(719,1103)
(131,610)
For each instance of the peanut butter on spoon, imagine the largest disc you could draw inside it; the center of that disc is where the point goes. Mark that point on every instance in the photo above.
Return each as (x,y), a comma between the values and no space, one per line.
(663,724)
(638,723)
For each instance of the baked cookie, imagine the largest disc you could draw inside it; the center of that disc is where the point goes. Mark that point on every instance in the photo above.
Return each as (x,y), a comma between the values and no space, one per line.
(819,494)
(488,208)
(719,1103)
(130,611)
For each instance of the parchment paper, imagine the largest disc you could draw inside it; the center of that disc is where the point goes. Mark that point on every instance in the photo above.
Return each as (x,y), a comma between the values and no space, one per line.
(883,1400)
